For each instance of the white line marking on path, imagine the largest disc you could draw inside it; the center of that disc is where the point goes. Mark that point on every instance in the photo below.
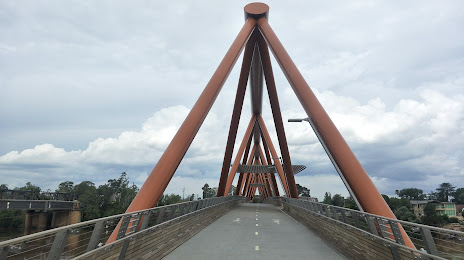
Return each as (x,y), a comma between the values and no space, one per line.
(237,220)
(257,248)
(256,224)
(256,219)
(256,233)
(276,221)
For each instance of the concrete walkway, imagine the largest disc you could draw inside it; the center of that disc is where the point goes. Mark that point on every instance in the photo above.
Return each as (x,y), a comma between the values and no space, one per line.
(254,231)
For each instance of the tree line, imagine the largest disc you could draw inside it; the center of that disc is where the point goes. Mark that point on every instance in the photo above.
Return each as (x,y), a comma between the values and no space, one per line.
(402,207)
(104,200)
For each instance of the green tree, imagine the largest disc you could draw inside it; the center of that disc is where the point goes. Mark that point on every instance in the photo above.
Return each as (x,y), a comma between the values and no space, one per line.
(350,203)
(116,195)
(90,200)
(396,203)
(66,187)
(444,191)
(302,191)
(386,198)
(327,198)
(169,199)
(232,190)
(459,196)
(412,194)
(405,214)
(208,192)
(11,219)
(431,218)
(34,191)
(338,200)
(205,189)
(172,199)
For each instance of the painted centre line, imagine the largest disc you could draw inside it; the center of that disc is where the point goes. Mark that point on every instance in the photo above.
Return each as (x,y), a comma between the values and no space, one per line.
(257,248)
(256,233)
(256,224)
(256,219)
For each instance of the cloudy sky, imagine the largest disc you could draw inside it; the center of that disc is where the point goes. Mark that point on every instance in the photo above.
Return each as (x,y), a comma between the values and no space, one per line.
(91,89)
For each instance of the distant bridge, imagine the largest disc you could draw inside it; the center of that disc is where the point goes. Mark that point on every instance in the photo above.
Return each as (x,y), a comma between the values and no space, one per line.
(46,205)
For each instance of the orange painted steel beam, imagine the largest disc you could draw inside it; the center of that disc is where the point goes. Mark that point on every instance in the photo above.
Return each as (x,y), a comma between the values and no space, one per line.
(242,176)
(275,158)
(250,188)
(269,161)
(162,173)
(277,115)
(268,180)
(237,111)
(262,180)
(250,160)
(249,175)
(266,185)
(352,172)
(256,87)
(238,157)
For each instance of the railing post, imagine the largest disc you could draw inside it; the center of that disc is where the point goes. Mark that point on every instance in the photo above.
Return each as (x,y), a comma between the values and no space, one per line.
(123,228)
(371,225)
(136,222)
(381,223)
(172,212)
(58,245)
(429,243)
(396,232)
(394,251)
(334,213)
(200,204)
(146,219)
(343,212)
(182,209)
(161,214)
(355,217)
(122,254)
(327,212)
(96,235)
(4,252)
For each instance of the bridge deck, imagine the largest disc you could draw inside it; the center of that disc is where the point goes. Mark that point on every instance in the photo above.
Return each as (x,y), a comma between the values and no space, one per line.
(254,231)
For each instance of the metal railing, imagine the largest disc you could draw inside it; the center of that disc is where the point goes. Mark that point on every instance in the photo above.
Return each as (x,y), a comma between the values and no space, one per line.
(74,240)
(431,242)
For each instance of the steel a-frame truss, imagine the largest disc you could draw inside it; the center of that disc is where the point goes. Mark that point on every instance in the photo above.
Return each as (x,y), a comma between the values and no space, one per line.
(257,36)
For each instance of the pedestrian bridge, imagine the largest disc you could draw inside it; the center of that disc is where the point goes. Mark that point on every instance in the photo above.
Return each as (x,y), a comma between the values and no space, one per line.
(232,228)
(228,227)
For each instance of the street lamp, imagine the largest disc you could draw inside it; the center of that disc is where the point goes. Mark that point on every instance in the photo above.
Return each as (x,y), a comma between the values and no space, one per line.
(330,156)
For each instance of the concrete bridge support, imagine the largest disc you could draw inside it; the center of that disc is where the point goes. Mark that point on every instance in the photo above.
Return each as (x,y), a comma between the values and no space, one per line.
(37,221)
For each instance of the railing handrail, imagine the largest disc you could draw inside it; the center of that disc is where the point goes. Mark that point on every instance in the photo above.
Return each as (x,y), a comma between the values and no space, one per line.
(88,222)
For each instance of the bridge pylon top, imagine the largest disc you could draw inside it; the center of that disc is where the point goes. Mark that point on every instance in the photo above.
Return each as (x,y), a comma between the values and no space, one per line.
(256,10)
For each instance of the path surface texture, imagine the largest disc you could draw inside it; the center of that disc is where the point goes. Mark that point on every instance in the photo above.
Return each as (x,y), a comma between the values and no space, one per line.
(254,231)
